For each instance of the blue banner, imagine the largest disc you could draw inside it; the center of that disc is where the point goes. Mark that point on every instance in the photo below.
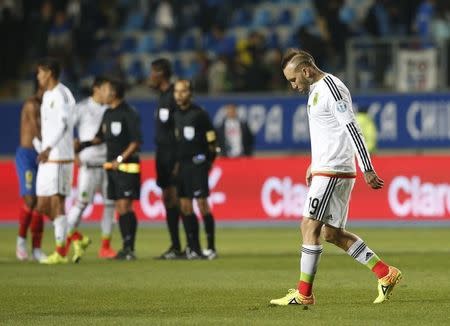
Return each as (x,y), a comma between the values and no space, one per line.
(280,122)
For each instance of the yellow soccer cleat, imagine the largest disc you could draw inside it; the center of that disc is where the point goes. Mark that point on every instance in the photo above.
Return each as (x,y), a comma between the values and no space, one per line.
(54,259)
(387,284)
(79,247)
(294,297)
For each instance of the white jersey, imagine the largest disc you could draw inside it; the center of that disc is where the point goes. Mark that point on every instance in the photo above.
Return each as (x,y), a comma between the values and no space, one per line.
(88,117)
(57,123)
(335,134)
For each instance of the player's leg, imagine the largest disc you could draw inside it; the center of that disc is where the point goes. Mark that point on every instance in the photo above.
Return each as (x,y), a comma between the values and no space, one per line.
(335,233)
(26,184)
(193,250)
(209,224)
(86,186)
(57,185)
(388,276)
(25,216)
(190,220)
(128,227)
(201,193)
(106,251)
(127,190)
(165,180)
(317,200)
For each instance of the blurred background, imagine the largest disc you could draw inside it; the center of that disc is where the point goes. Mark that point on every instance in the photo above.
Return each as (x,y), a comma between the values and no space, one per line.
(393,56)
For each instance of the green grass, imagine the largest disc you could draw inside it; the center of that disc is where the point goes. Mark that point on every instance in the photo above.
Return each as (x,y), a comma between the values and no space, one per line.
(255,265)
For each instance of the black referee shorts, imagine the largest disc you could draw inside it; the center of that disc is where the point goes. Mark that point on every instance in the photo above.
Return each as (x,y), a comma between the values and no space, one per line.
(165,163)
(193,180)
(122,185)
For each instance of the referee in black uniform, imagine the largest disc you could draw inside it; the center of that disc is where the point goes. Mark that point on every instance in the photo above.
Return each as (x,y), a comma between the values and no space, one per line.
(121,131)
(196,151)
(161,72)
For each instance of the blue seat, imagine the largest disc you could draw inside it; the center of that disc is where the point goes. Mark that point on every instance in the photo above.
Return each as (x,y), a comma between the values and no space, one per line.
(178,68)
(169,43)
(272,40)
(128,44)
(262,18)
(188,42)
(240,18)
(285,17)
(135,21)
(192,70)
(135,70)
(147,44)
(305,17)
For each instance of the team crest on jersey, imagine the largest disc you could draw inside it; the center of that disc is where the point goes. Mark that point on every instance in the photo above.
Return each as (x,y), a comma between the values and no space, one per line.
(341,106)
(163,114)
(316,98)
(116,128)
(189,132)
(51,104)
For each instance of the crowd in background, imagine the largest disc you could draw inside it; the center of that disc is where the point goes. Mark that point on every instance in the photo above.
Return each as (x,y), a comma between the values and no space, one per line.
(90,37)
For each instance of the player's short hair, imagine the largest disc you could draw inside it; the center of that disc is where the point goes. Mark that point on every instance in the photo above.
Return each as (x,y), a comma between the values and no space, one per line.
(297,56)
(163,65)
(50,64)
(98,81)
(117,85)
(187,81)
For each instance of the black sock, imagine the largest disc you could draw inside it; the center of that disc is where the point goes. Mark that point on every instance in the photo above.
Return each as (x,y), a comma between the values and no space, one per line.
(172,217)
(192,229)
(209,223)
(128,227)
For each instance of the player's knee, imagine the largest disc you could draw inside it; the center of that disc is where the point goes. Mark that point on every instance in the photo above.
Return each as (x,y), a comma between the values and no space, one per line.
(203,207)
(310,230)
(30,201)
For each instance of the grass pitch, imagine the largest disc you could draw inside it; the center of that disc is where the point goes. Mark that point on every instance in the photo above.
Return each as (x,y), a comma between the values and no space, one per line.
(255,265)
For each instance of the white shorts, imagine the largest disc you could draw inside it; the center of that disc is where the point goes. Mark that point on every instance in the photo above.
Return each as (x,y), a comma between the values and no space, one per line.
(54,179)
(328,200)
(90,181)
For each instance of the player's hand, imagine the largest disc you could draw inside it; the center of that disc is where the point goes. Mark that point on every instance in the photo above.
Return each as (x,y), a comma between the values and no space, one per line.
(115,165)
(373,180)
(176,169)
(308,176)
(43,156)
(76,146)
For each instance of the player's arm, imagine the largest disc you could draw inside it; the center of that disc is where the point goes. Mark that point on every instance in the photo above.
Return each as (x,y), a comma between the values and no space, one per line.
(342,110)
(98,139)
(211,138)
(61,116)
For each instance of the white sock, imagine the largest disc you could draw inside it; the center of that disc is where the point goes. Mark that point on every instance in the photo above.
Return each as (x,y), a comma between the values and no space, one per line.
(360,252)
(21,242)
(60,224)
(108,219)
(74,216)
(310,259)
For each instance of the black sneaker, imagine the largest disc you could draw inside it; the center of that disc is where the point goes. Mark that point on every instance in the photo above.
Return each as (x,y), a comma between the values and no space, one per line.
(125,254)
(192,254)
(172,253)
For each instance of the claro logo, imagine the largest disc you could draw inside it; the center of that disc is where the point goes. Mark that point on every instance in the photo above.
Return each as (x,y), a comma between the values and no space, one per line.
(283,197)
(411,196)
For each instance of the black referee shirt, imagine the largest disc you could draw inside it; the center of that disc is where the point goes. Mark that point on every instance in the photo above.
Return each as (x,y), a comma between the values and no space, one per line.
(120,127)
(164,123)
(191,128)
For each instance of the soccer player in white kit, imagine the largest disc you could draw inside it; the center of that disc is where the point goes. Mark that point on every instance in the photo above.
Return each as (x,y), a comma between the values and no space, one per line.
(335,138)
(54,177)
(91,175)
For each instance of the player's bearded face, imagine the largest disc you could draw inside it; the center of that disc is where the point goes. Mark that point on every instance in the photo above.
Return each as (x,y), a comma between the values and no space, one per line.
(155,79)
(182,94)
(297,79)
(106,93)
